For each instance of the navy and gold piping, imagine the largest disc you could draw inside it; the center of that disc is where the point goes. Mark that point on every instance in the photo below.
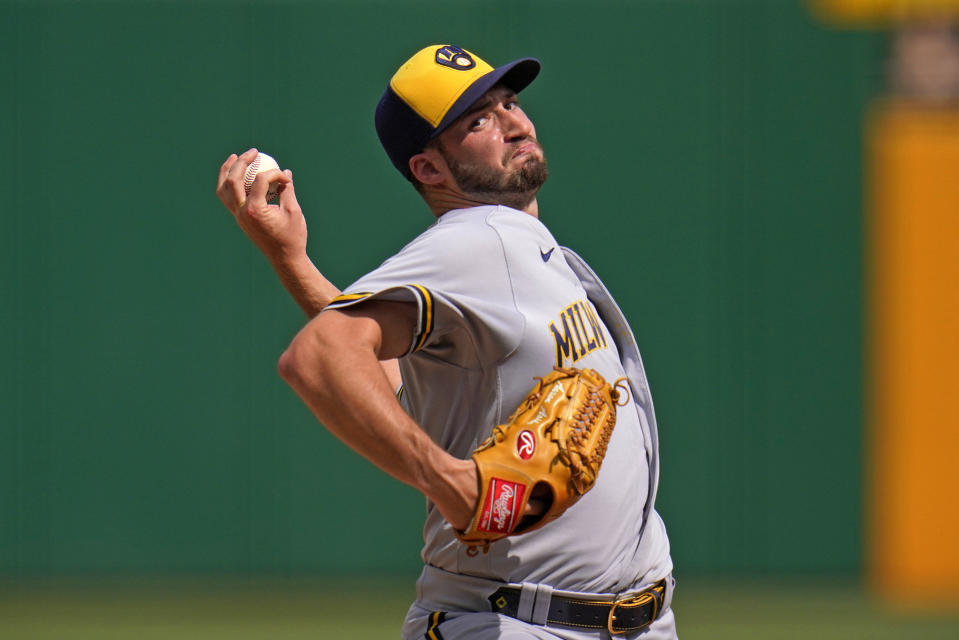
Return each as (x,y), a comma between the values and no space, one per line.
(426,310)
(433,631)
(426,314)
(347,298)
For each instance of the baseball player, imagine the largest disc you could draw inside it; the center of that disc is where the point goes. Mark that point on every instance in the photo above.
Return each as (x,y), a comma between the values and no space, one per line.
(414,363)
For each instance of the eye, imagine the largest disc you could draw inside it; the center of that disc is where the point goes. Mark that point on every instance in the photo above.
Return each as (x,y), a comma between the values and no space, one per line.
(478,122)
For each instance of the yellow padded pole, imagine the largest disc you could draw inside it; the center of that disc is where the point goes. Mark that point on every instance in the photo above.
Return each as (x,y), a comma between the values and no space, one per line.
(913,432)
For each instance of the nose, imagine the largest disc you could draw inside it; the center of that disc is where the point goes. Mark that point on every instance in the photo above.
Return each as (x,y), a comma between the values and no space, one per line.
(516,126)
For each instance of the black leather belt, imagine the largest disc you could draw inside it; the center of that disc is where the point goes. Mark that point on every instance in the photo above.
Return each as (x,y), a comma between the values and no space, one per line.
(622,615)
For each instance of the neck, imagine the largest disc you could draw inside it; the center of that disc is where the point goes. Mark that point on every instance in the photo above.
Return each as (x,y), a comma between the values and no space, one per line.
(441,200)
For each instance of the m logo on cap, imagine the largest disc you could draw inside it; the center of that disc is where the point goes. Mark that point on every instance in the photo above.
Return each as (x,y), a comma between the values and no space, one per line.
(454,58)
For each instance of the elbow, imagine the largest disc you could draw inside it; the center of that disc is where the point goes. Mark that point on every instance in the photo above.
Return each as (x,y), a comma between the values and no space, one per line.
(287,365)
(293,364)
(308,358)
(318,351)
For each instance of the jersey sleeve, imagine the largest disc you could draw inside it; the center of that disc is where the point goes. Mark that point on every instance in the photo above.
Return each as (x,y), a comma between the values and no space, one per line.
(459,280)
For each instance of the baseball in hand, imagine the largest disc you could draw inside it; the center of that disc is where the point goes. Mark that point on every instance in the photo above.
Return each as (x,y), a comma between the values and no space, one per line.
(261,162)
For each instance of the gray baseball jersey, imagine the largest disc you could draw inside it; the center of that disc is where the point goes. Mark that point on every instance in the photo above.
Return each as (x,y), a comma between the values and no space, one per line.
(500,303)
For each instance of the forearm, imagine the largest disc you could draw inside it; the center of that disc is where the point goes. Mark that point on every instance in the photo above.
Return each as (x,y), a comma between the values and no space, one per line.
(279,231)
(308,287)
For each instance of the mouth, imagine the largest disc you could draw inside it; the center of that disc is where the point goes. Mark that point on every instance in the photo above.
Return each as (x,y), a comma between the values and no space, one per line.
(526,148)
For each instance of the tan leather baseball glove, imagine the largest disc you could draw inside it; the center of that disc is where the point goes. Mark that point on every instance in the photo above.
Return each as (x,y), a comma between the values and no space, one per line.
(551,449)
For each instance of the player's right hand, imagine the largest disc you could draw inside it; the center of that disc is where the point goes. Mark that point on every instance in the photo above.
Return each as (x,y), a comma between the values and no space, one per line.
(278,230)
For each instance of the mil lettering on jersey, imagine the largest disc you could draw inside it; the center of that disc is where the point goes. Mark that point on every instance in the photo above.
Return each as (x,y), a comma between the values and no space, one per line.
(576,333)
(500,511)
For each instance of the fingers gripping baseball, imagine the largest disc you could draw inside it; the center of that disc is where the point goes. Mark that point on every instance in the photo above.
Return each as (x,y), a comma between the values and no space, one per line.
(277,229)
(229,186)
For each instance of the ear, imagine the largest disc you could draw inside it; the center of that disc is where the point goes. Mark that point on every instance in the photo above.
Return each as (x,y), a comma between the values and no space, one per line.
(428,167)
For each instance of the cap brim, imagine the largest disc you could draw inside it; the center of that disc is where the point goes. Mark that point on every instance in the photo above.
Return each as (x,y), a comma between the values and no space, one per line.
(516,75)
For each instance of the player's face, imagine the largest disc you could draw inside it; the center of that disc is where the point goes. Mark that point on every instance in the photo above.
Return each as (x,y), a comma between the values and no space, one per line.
(492,151)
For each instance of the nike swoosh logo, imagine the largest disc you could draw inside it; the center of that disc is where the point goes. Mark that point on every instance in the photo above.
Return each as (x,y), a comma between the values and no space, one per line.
(545,255)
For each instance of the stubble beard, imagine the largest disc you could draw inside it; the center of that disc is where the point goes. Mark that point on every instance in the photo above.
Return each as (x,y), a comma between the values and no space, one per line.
(514,188)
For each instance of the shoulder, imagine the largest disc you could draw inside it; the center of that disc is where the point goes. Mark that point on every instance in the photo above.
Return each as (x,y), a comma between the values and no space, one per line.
(455,241)
(461,226)
(466,251)
(486,224)
(442,257)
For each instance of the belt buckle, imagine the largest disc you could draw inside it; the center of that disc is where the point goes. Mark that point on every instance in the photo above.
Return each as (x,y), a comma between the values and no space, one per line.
(630,601)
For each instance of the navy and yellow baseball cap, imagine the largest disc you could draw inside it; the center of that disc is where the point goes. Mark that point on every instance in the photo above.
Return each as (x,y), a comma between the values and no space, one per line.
(434,88)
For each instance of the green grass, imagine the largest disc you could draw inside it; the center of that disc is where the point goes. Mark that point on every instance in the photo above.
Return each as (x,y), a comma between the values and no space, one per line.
(768,610)
(202,609)
(288,610)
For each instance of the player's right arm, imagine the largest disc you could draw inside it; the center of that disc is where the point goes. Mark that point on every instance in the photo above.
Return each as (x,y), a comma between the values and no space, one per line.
(333,365)
(280,232)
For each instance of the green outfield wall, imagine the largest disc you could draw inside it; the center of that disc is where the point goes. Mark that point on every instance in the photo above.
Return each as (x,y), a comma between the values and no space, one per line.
(705,159)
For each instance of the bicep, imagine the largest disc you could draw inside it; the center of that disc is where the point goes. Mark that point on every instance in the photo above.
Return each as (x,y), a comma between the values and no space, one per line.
(386,327)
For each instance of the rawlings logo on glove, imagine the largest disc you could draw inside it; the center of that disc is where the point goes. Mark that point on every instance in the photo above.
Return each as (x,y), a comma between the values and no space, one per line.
(551,448)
